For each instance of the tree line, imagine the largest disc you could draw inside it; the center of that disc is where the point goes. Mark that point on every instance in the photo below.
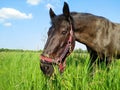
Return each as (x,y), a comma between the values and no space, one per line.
(21,50)
(17,50)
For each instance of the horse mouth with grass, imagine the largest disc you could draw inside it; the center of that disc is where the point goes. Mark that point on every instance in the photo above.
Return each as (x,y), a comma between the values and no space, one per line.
(101,37)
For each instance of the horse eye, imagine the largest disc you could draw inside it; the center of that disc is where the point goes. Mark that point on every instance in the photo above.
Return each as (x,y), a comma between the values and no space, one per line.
(64,32)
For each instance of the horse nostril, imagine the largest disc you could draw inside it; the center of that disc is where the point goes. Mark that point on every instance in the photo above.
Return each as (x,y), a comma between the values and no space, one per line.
(47,69)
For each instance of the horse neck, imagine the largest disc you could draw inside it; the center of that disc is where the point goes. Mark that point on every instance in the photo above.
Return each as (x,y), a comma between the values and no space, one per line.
(84,29)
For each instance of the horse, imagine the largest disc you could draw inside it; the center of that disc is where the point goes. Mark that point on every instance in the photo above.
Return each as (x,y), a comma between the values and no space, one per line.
(100,35)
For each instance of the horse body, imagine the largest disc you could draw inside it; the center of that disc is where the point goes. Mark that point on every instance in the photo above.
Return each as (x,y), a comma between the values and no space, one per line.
(101,37)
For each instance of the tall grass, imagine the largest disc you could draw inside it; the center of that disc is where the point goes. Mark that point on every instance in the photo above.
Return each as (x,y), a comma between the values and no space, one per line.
(20,71)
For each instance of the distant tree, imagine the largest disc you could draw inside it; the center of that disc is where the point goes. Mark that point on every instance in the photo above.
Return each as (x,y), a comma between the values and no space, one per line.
(80,51)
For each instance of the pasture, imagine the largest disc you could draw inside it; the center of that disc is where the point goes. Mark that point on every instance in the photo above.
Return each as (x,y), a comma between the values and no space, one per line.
(21,71)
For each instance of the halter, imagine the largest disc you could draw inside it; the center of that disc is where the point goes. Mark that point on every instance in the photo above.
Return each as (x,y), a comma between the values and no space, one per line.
(60,61)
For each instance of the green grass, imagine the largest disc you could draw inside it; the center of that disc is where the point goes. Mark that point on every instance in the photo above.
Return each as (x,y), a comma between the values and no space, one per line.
(20,71)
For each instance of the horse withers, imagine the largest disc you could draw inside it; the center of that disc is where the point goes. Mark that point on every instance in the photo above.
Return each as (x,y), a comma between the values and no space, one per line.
(101,37)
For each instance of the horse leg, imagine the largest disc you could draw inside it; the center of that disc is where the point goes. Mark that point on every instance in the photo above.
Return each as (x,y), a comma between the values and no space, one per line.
(108,62)
(93,57)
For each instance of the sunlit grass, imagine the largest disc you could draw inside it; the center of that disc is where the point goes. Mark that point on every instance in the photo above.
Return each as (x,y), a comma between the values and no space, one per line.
(21,71)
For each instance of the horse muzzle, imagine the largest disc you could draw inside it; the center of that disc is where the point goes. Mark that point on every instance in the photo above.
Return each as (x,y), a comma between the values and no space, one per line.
(47,68)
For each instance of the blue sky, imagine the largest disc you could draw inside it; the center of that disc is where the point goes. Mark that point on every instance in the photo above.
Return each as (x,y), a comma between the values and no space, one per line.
(24,23)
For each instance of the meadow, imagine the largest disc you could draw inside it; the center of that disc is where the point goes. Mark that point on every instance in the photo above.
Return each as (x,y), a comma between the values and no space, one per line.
(20,70)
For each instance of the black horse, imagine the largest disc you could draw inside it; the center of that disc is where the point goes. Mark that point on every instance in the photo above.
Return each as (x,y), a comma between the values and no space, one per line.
(101,37)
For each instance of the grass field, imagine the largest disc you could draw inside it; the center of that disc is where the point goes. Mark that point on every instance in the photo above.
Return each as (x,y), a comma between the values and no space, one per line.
(20,71)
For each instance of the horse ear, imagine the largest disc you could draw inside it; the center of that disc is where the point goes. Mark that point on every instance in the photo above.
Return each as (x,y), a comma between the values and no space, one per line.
(51,13)
(66,11)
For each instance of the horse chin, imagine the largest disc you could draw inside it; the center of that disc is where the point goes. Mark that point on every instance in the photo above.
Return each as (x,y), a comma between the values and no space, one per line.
(47,69)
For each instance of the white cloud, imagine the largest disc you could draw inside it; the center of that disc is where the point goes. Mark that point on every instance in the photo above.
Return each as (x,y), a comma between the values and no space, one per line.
(49,6)
(10,14)
(7,24)
(33,2)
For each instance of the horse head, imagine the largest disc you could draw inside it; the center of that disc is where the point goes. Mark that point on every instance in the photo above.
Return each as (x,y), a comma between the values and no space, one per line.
(60,42)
